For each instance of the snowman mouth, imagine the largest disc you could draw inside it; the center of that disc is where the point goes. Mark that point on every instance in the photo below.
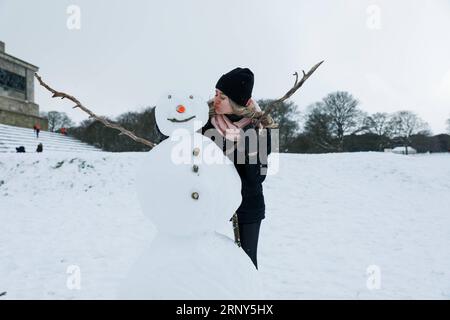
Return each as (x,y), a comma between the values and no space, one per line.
(179,121)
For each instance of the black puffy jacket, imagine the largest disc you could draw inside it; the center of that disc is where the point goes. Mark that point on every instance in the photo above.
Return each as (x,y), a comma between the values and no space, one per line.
(252,173)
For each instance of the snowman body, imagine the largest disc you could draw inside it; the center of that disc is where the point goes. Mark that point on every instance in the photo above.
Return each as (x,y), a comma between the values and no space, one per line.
(189,189)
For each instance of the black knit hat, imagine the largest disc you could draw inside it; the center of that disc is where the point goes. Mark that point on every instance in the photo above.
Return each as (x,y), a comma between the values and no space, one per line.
(237,85)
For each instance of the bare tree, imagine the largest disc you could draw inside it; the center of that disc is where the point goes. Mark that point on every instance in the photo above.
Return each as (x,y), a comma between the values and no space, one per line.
(318,128)
(405,124)
(379,124)
(345,116)
(58,120)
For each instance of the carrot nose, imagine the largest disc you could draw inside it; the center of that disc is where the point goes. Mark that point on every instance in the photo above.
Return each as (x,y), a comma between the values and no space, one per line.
(181,109)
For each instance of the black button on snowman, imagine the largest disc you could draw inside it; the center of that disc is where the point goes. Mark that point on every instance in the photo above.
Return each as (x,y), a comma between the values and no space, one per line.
(196,153)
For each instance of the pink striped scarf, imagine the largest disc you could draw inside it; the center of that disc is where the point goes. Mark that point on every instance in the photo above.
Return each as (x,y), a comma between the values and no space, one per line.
(229,130)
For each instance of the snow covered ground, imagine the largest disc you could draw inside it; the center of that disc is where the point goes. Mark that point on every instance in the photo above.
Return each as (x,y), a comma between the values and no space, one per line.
(338,226)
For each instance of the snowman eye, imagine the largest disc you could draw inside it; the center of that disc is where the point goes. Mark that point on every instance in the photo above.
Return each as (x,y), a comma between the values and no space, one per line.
(169,96)
(191,97)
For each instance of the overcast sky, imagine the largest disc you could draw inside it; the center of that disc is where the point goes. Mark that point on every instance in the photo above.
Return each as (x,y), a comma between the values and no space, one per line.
(390,54)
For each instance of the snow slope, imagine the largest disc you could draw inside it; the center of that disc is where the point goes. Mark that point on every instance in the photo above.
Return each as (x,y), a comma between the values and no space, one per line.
(328,219)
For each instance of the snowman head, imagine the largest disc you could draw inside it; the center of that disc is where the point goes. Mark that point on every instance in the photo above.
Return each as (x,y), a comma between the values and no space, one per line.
(175,111)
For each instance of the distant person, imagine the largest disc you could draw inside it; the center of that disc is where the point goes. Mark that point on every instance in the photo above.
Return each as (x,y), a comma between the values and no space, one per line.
(20,149)
(37,129)
(39,148)
(63,131)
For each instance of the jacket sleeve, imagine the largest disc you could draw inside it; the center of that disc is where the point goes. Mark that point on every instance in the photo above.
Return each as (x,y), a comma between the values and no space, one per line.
(254,171)
(261,153)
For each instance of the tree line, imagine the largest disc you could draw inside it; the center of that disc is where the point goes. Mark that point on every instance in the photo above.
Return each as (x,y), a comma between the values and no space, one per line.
(334,124)
(337,124)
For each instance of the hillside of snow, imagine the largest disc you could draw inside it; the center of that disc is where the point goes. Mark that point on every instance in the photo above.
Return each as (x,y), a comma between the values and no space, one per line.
(338,226)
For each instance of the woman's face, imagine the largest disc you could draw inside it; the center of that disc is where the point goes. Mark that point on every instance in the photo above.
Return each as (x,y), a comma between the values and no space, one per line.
(222,103)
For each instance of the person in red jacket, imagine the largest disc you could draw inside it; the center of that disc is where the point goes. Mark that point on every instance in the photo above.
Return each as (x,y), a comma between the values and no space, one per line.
(37,129)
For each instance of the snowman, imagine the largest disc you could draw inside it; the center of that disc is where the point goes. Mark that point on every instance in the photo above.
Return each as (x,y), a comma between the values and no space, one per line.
(189,189)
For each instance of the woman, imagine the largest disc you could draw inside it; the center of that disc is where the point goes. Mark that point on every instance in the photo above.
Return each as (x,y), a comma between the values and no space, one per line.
(231,110)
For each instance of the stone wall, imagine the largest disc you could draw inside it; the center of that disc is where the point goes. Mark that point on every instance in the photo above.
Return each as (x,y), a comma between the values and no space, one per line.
(21,120)
(15,105)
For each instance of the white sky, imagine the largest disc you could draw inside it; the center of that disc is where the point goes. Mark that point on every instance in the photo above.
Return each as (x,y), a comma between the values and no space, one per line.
(127,54)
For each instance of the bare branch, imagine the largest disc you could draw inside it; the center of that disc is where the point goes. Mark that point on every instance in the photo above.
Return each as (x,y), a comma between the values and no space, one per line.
(78,104)
(296,78)
(291,91)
